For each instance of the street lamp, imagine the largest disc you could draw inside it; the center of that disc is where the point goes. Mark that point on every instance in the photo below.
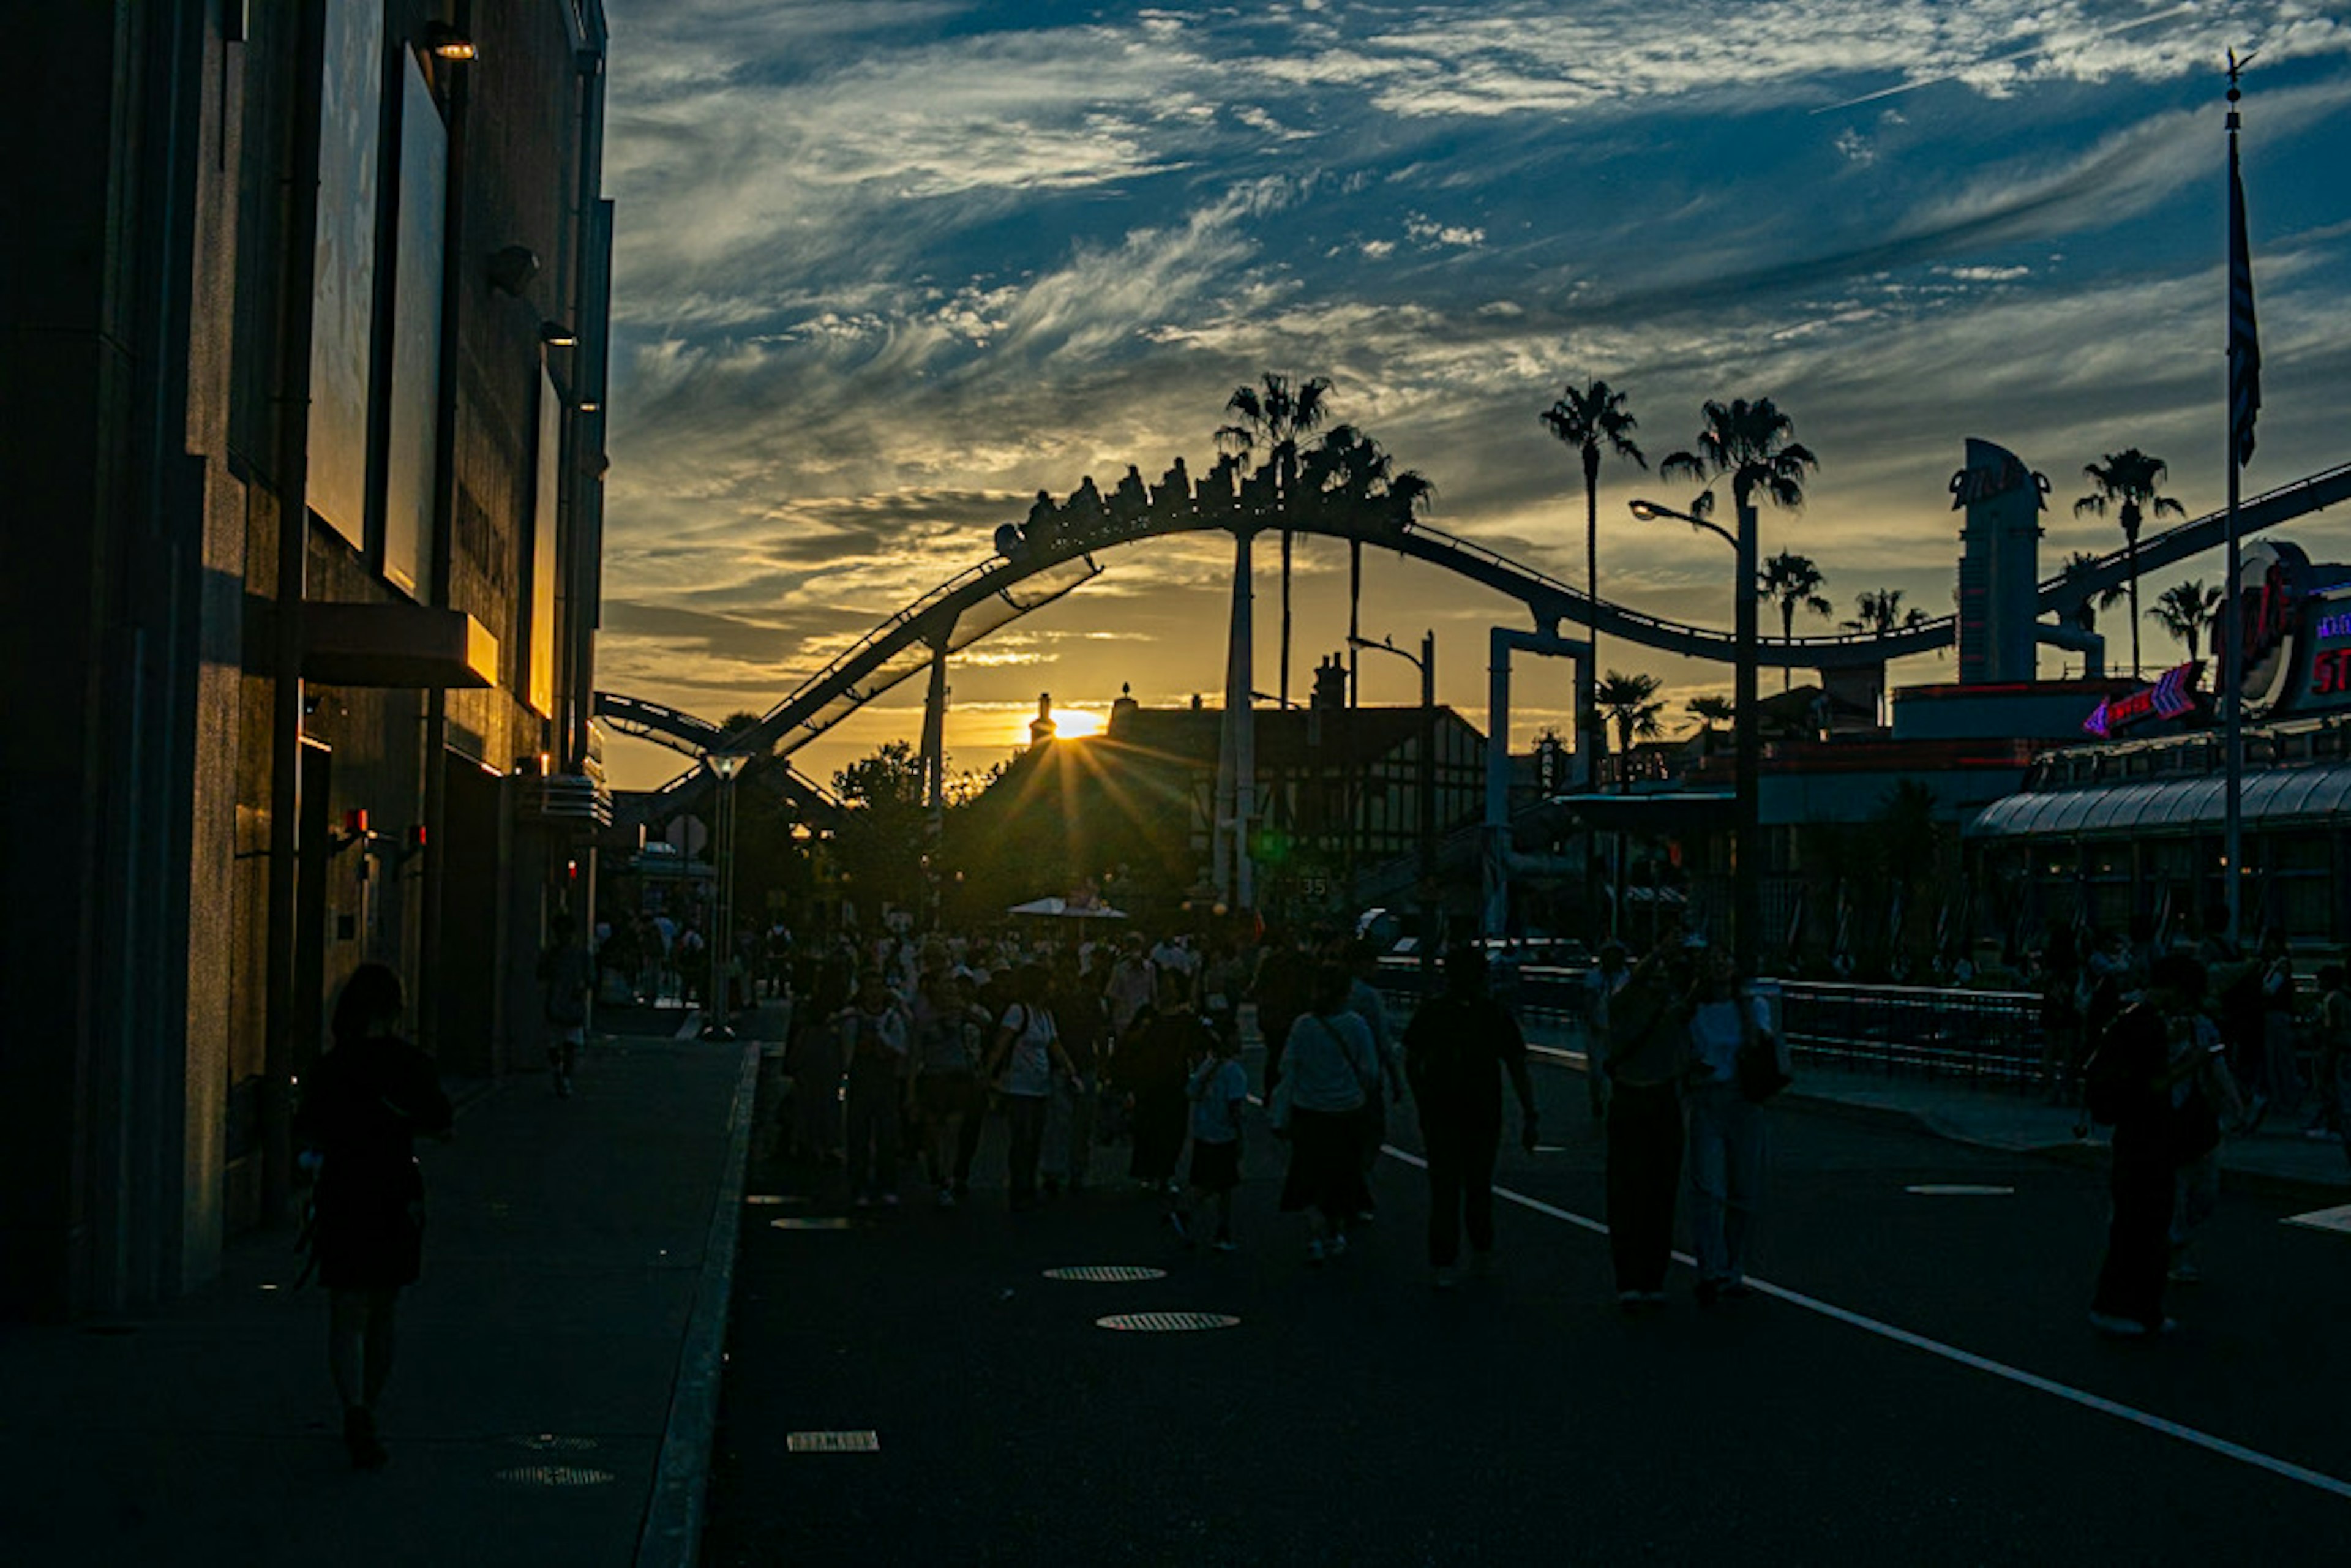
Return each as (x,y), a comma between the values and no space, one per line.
(724,766)
(1426,664)
(1746,903)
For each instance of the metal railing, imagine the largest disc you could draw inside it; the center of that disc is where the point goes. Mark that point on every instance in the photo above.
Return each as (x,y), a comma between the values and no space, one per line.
(1991,1039)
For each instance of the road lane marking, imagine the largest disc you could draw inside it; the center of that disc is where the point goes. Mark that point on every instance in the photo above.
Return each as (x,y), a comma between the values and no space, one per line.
(2283,1469)
(2337,1219)
(690,1027)
(1958,1189)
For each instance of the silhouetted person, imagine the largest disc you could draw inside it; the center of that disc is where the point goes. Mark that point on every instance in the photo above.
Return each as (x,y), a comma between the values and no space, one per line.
(1648,1051)
(361,1111)
(567,974)
(2130,1082)
(1456,1052)
(1130,500)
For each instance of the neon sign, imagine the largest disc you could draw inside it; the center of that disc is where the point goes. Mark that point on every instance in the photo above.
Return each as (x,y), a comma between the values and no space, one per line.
(2173,696)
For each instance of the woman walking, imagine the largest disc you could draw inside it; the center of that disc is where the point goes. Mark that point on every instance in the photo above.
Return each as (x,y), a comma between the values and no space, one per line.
(874,1038)
(1726,1132)
(1648,1050)
(1153,1071)
(1328,1074)
(361,1111)
(944,1084)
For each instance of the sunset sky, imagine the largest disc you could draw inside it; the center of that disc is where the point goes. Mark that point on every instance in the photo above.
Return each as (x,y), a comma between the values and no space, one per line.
(888,266)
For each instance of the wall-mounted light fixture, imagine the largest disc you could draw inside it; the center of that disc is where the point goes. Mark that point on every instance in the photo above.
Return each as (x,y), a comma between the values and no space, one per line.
(556,335)
(512,270)
(589,405)
(448,42)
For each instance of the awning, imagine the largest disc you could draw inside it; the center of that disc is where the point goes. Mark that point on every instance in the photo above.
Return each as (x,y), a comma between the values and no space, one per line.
(396,644)
(2275,797)
(1062,909)
(1661,812)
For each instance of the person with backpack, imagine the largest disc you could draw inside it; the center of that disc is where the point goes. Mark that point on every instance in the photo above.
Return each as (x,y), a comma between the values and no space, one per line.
(1456,1049)
(1027,1053)
(2131,1082)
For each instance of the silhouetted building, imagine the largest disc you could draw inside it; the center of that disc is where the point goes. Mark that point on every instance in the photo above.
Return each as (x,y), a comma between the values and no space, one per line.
(300,407)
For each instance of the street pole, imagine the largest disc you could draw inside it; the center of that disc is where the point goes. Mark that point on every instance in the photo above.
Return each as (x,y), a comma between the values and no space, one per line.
(726,765)
(1429,812)
(1747,904)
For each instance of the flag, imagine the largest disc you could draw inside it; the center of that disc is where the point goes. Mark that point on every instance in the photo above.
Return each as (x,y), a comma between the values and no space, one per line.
(2244,340)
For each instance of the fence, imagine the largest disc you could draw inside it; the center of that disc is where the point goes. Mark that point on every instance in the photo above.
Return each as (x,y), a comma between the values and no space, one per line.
(1990,1038)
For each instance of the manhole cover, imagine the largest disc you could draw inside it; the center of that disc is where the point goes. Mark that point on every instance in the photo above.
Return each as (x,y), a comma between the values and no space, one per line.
(1958,1189)
(834,1223)
(550,1442)
(557,1476)
(1166,1323)
(833,1443)
(1106,1272)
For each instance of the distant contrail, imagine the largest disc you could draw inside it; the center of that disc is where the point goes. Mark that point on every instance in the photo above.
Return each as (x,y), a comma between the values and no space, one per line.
(2040,48)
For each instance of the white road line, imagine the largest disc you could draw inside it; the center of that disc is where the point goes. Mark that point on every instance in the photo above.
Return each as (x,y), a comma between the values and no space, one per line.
(2338,1219)
(2283,1469)
(690,1027)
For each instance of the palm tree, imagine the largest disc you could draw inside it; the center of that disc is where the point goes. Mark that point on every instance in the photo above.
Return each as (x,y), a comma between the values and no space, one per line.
(2129,480)
(1879,611)
(2084,612)
(1792,582)
(1630,703)
(1274,417)
(1349,471)
(1709,710)
(1588,421)
(2185,609)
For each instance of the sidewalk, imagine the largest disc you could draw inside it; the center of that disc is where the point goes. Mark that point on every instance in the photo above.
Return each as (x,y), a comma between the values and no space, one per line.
(2278,1161)
(574,1281)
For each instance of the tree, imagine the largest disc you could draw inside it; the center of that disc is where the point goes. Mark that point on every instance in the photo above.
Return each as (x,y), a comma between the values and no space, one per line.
(1273,417)
(2082,612)
(1348,471)
(1630,703)
(1879,611)
(1792,582)
(883,828)
(1709,710)
(1750,443)
(2127,481)
(1590,421)
(2185,609)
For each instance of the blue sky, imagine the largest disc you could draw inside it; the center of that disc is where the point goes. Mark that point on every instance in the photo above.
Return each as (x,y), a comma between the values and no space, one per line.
(887,267)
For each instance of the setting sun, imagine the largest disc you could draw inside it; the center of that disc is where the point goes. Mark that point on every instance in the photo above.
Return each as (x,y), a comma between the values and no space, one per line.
(1076,724)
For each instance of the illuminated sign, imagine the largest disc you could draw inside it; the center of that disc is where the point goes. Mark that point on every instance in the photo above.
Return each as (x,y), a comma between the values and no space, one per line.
(2270,587)
(2173,696)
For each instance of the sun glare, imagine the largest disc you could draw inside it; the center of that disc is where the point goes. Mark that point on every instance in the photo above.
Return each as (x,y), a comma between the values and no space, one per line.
(1076,724)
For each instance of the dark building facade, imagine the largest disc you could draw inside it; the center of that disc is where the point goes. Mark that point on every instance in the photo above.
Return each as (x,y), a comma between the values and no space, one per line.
(302,349)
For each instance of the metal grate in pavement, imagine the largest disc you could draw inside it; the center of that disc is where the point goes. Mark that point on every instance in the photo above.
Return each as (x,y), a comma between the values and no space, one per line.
(770,1199)
(553,1443)
(832,1222)
(1166,1323)
(557,1476)
(1103,1273)
(1958,1189)
(833,1443)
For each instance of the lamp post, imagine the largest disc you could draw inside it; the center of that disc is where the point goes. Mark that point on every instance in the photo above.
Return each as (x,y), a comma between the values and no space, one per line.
(1426,662)
(1746,902)
(724,766)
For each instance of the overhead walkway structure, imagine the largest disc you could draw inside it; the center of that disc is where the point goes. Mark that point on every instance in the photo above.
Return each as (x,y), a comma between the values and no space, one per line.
(1034,568)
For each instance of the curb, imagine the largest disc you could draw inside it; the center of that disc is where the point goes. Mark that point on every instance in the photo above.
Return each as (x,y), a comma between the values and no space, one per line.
(672,1536)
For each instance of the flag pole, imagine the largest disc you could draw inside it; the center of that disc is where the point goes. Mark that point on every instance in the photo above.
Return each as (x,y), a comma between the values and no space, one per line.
(2244,400)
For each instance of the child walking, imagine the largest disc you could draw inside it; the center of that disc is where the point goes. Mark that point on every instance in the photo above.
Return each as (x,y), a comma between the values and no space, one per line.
(1219,1087)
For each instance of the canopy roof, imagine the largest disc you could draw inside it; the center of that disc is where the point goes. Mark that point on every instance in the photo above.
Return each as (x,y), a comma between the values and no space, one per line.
(1055,908)
(2274,798)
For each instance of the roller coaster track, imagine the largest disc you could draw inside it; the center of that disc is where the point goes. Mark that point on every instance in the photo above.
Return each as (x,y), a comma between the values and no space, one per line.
(877,660)
(695,737)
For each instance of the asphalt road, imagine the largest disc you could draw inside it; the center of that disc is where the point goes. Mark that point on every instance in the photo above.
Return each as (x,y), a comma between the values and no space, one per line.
(1354,1414)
